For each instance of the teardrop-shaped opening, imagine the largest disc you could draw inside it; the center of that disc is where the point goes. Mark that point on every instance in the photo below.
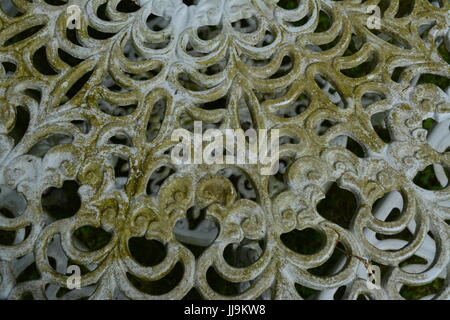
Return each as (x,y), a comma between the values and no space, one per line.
(379,124)
(323,126)
(244,254)
(41,148)
(89,238)
(30,273)
(9,68)
(41,63)
(12,203)
(157,178)
(306,292)
(121,139)
(220,285)
(21,124)
(146,252)
(7,237)
(428,290)
(216,104)
(324,22)
(62,203)
(444,51)
(296,108)
(249,25)
(285,67)
(209,32)
(362,69)
(191,2)
(157,23)
(102,12)
(435,177)
(156,119)
(307,241)
(350,144)
(369,98)
(161,286)
(436,79)
(99,35)
(21,36)
(127,6)
(288,4)
(338,206)
(68,58)
(122,169)
(277,182)
(76,88)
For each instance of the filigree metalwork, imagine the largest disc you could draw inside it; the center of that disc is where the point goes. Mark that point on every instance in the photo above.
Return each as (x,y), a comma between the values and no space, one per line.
(100,103)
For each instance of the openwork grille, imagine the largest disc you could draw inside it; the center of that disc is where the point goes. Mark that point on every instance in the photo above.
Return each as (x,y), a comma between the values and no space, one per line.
(358,89)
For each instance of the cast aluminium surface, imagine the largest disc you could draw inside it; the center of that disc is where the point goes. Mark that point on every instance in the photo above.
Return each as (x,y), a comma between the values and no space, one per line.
(117,88)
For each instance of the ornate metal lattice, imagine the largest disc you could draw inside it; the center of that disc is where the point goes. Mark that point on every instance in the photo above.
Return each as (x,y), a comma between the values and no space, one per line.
(86,120)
